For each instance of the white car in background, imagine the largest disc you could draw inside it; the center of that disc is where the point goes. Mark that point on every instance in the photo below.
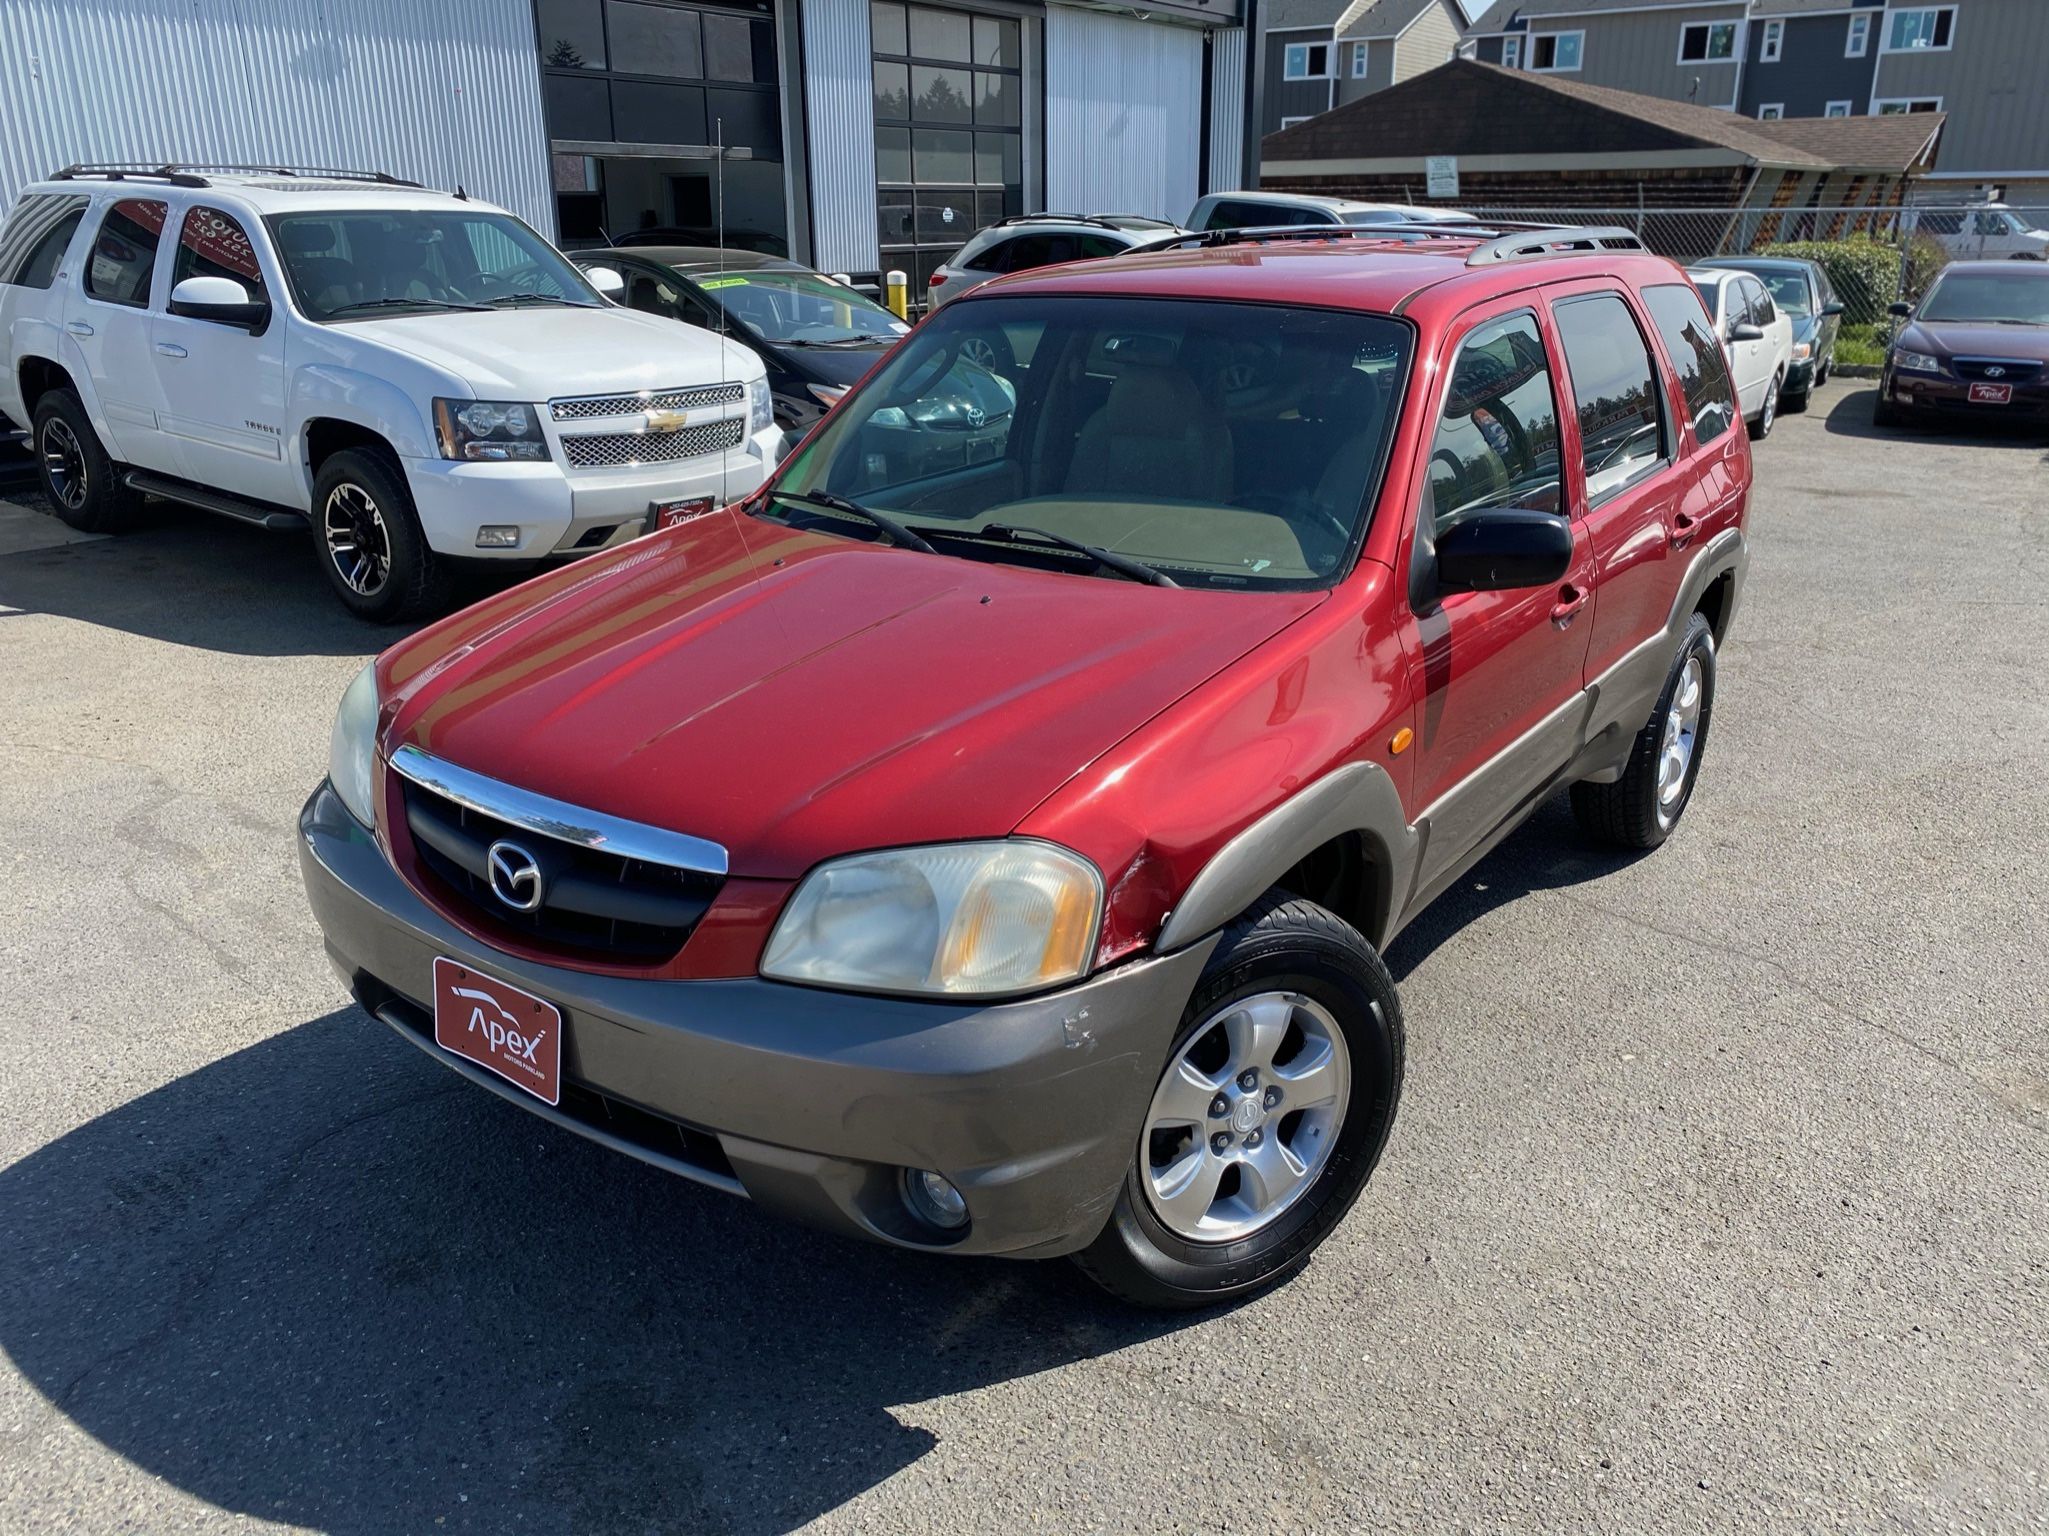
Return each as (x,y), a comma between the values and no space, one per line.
(1033,240)
(415,375)
(1268,210)
(1987,231)
(1757,336)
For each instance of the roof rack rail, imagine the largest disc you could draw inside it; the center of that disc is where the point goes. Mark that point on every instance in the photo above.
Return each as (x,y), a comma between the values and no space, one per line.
(1052,218)
(193,174)
(1203,239)
(1500,239)
(1556,240)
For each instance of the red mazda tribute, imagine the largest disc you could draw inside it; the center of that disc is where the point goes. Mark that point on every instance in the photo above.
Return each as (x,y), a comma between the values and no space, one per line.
(984,838)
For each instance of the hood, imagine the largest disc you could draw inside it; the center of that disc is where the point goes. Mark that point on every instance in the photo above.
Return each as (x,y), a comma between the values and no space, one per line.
(794,695)
(542,354)
(1947,338)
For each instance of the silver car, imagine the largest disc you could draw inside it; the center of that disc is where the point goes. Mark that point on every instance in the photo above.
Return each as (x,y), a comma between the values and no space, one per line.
(1040,240)
(1265,210)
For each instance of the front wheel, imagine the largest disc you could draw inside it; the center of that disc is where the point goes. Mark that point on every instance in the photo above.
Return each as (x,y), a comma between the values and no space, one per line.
(369,540)
(1267,1118)
(1768,414)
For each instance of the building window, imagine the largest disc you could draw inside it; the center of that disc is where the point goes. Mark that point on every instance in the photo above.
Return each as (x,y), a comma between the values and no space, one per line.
(1774,41)
(1892,106)
(1837,109)
(1919,31)
(949,139)
(1707,42)
(1556,52)
(1771,111)
(1511,53)
(1859,38)
(1289,122)
(1358,61)
(1306,61)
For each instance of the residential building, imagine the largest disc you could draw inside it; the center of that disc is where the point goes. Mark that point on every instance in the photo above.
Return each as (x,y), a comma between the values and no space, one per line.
(857,136)
(1318,54)
(1981,62)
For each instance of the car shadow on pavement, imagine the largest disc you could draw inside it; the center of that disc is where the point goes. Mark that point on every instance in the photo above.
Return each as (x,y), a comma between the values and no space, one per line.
(322,1282)
(1851,417)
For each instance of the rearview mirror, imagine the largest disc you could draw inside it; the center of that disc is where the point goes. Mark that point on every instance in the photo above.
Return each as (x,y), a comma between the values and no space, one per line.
(606,280)
(1743,330)
(1902,310)
(1832,309)
(221,300)
(1504,548)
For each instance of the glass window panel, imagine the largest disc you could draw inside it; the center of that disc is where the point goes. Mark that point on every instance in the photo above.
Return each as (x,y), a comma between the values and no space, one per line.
(214,244)
(1497,441)
(655,40)
(940,35)
(940,95)
(646,113)
(886,22)
(897,210)
(942,157)
(892,91)
(990,162)
(945,217)
(893,154)
(728,47)
(578,108)
(996,42)
(1616,390)
(988,205)
(1697,354)
(572,37)
(996,99)
(124,252)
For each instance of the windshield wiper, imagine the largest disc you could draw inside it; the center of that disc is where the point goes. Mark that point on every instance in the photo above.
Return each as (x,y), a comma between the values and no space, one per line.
(533,298)
(403,303)
(1110,560)
(897,533)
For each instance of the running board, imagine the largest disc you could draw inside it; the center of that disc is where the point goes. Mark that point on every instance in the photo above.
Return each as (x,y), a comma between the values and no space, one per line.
(276,519)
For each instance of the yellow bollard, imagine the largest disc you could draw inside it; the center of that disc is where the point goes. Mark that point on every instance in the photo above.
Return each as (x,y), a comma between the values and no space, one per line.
(896,288)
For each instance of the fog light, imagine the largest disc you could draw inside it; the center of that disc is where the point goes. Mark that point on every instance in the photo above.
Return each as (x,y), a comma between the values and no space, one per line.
(932,1199)
(498,536)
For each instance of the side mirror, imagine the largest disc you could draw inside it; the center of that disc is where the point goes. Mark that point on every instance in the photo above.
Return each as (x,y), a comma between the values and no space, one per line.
(1831,309)
(1902,310)
(606,280)
(1743,330)
(221,300)
(1504,548)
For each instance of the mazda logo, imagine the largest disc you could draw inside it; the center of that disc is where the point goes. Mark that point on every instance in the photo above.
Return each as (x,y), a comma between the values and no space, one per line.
(515,876)
(1995,373)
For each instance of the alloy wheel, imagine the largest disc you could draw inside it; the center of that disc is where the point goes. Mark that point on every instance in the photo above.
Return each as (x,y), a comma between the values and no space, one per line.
(1675,746)
(64,464)
(357,541)
(1245,1117)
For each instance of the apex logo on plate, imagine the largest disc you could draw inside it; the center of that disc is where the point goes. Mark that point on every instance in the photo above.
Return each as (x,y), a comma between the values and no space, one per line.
(499,1027)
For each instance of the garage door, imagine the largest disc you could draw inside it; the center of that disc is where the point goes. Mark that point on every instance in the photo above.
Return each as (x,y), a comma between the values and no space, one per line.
(1123,114)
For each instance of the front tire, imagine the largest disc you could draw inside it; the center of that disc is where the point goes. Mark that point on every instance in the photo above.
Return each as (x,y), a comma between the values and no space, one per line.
(84,485)
(369,542)
(1267,1119)
(1640,809)
(1768,413)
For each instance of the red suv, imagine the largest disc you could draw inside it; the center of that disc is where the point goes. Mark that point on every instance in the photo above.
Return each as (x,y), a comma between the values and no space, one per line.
(985,837)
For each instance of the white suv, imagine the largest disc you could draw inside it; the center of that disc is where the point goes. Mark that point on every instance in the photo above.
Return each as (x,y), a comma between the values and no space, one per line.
(1262,210)
(417,375)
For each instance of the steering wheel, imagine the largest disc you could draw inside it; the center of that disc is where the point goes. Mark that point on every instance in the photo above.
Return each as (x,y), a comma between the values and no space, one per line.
(521,279)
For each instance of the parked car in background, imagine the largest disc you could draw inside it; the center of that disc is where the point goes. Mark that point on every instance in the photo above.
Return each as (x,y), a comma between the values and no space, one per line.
(1976,348)
(1275,210)
(1033,240)
(816,336)
(1988,231)
(997,858)
(1757,336)
(417,376)
(1801,292)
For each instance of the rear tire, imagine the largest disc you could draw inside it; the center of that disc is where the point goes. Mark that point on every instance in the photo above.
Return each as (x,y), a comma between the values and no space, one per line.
(368,540)
(83,484)
(1640,809)
(1296,1030)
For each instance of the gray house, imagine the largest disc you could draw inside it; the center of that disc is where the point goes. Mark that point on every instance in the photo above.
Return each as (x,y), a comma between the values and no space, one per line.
(1981,62)
(1319,54)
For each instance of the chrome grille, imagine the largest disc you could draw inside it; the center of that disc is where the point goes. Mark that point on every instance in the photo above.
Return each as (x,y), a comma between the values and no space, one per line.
(602,450)
(630,405)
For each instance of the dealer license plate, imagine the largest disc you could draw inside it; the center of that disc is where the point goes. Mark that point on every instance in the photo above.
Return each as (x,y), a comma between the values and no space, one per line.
(500,1028)
(1991,394)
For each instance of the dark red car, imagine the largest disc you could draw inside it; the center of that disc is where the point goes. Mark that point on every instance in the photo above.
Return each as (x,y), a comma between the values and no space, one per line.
(984,839)
(1975,349)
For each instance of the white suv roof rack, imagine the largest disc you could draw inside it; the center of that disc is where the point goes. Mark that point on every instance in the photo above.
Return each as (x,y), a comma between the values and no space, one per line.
(183,174)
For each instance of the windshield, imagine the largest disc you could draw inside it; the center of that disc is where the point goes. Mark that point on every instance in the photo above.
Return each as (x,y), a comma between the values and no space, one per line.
(1789,292)
(1225,445)
(372,262)
(799,308)
(2019,297)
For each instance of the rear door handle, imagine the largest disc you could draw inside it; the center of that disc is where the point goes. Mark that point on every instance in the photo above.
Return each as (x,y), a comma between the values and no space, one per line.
(1570,600)
(78,328)
(1683,529)
(170,349)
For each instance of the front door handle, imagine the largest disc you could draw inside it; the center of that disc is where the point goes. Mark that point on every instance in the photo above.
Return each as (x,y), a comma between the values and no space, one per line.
(78,328)
(1570,600)
(170,349)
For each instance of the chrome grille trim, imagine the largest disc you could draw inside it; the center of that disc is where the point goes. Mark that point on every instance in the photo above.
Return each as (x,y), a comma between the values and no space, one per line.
(632,405)
(604,450)
(546,817)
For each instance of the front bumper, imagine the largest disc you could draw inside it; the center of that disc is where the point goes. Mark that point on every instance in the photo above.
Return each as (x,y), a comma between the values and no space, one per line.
(1940,394)
(810,1102)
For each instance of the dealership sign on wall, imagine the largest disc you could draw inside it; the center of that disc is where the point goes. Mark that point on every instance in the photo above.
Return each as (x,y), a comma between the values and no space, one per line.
(1442,171)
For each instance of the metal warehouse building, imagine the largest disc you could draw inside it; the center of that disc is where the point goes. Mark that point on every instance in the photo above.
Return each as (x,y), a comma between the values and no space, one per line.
(858,136)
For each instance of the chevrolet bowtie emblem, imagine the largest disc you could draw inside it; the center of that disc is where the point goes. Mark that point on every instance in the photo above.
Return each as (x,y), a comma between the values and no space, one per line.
(667,421)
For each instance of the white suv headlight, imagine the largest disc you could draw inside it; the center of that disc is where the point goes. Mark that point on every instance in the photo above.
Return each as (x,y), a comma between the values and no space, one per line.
(760,407)
(489,430)
(952,919)
(352,747)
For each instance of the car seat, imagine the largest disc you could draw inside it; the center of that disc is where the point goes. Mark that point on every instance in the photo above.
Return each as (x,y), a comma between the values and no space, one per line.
(1156,435)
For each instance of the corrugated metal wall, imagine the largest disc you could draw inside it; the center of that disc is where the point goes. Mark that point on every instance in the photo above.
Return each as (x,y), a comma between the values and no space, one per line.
(445,94)
(1226,111)
(839,110)
(1123,114)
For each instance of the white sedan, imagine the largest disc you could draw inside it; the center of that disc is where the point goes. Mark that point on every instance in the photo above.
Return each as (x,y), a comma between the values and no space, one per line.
(1757,336)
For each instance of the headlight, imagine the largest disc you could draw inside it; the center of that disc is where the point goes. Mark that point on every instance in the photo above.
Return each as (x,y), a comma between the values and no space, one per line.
(952,919)
(352,747)
(491,430)
(1802,351)
(1918,362)
(760,408)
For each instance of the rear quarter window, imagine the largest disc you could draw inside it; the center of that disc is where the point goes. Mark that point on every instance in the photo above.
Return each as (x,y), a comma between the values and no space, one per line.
(33,243)
(1689,337)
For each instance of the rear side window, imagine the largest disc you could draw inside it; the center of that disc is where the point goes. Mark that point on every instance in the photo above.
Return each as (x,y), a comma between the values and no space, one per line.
(34,242)
(214,244)
(1497,439)
(1690,339)
(1615,390)
(124,252)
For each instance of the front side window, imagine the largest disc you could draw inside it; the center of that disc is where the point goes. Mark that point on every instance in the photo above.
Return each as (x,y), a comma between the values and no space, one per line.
(1707,42)
(1689,335)
(1759,303)
(214,244)
(33,244)
(1306,61)
(124,252)
(1556,52)
(1229,446)
(1497,436)
(360,264)
(1923,30)
(1615,390)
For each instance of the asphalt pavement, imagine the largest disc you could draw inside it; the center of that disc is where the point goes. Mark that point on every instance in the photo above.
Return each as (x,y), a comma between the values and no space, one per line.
(1718,1199)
